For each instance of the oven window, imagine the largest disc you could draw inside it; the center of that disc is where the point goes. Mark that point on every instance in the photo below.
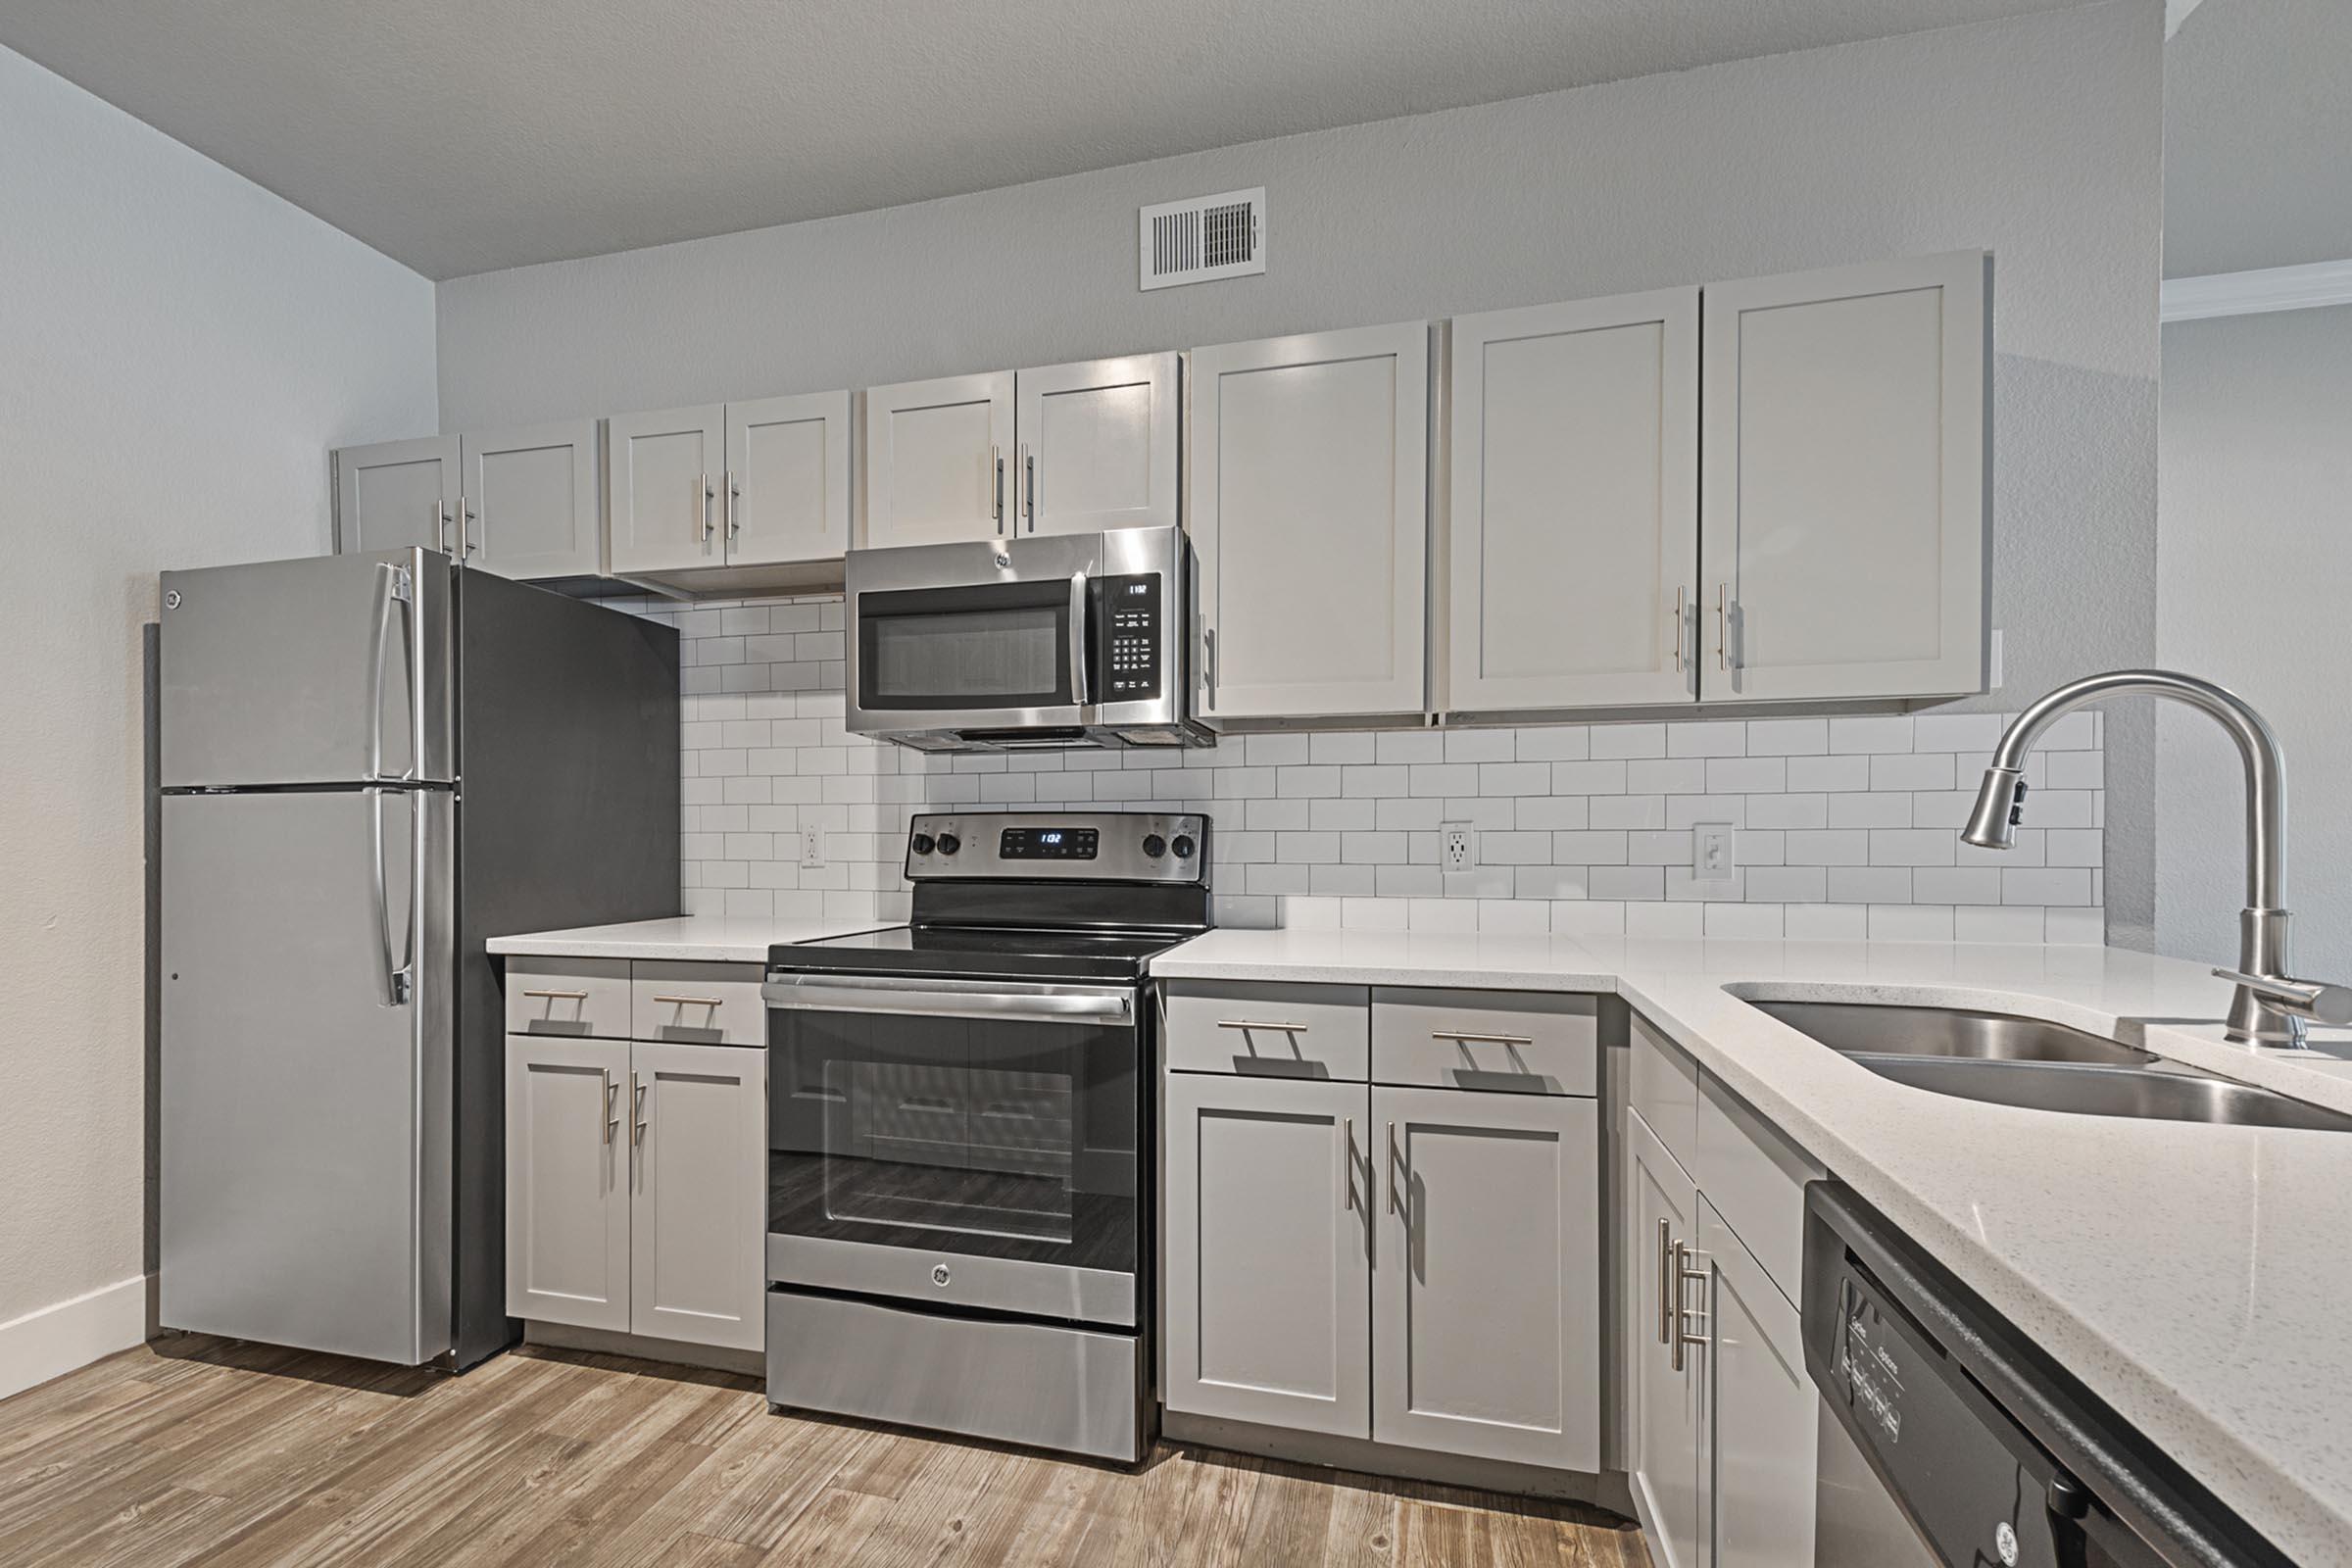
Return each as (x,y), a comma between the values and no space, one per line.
(1003,1138)
(955,659)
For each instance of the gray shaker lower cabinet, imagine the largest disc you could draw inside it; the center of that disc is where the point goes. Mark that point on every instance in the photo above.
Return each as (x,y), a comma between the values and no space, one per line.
(1267,1252)
(1486,1296)
(1665,1381)
(568,1177)
(699,1220)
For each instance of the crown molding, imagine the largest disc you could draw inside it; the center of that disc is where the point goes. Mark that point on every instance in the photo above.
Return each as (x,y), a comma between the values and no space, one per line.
(2272,288)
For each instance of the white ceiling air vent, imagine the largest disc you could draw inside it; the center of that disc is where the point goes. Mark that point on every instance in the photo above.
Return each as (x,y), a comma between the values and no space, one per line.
(1207,237)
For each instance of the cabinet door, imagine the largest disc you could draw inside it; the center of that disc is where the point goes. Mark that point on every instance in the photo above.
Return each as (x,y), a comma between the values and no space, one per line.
(701,1204)
(1756,1462)
(938,458)
(395,495)
(531,502)
(1097,445)
(665,470)
(1844,525)
(787,479)
(567,1181)
(1486,1298)
(1310,521)
(1268,1253)
(1575,504)
(1661,1210)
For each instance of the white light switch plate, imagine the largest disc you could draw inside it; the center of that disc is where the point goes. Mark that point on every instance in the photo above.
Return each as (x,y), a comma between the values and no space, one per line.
(1714,852)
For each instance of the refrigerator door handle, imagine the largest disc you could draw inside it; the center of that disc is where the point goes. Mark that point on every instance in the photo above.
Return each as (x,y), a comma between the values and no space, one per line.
(397,587)
(397,978)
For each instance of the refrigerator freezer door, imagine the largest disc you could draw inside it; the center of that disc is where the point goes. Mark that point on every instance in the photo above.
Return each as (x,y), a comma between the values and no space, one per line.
(304,1114)
(330,670)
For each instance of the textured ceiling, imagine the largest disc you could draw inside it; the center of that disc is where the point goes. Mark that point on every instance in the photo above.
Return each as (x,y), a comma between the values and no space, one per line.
(465,135)
(2258,136)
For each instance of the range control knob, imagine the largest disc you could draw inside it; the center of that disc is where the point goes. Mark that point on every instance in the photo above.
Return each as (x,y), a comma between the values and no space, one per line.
(1154,845)
(922,843)
(1184,847)
(949,844)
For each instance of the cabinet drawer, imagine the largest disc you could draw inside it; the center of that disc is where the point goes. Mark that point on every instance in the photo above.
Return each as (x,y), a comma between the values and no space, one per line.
(700,1003)
(1756,1180)
(569,996)
(1533,1043)
(1664,1089)
(1270,1030)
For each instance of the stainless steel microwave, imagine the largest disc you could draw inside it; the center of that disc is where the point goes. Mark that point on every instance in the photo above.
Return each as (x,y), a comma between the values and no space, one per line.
(1044,641)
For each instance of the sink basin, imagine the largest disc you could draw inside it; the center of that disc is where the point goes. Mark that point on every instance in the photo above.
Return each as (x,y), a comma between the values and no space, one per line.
(1881,1030)
(2171,1094)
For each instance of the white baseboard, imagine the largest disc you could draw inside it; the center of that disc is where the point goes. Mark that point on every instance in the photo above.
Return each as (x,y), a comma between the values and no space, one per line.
(55,1340)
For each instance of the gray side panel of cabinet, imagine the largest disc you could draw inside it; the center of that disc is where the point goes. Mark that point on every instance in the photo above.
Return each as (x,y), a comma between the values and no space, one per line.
(1268,1253)
(1758,1464)
(1486,1303)
(567,1181)
(1666,1401)
(700,1202)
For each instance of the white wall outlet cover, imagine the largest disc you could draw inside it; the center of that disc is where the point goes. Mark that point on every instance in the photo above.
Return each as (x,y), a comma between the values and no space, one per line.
(813,846)
(1457,846)
(1714,852)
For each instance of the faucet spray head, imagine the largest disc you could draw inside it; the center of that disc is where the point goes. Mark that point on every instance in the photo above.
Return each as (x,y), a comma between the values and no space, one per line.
(2001,806)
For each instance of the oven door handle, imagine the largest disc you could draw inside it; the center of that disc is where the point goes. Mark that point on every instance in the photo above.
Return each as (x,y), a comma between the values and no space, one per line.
(952,998)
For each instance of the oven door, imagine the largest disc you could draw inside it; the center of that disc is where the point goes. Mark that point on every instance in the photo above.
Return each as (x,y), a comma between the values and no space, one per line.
(966,1143)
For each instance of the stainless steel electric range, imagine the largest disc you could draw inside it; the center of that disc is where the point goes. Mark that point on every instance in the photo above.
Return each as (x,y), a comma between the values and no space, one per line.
(959,1128)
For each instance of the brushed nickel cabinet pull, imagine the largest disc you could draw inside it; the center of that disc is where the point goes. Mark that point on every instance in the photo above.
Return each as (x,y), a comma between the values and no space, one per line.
(1252,1023)
(1665,1281)
(559,996)
(1461,1037)
(1680,618)
(733,505)
(702,504)
(1408,1175)
(996,463)
(687,1002)
(637,1111)
(1346,1163)
(1682,1338)
(1723,625)
(611,1123)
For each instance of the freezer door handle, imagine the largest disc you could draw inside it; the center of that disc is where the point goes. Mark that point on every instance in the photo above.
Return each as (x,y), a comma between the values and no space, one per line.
(399,587)
(399,978)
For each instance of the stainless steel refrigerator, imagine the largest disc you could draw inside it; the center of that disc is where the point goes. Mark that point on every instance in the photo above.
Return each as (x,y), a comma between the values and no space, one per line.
(370,764)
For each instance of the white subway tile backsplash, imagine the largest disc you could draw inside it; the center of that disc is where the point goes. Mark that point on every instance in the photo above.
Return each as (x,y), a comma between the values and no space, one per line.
(1846,826)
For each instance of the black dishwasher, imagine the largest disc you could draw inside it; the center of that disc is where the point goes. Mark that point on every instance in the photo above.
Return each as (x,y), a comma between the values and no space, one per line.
(1996,1455)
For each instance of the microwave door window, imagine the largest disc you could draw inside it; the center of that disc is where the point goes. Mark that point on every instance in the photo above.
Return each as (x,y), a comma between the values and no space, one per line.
(1011,657)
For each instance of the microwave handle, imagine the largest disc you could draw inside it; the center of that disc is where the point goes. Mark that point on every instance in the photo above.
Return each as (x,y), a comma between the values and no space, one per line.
(1081,639)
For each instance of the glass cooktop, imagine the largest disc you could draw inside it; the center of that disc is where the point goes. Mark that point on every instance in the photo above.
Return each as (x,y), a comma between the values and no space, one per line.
(989,951)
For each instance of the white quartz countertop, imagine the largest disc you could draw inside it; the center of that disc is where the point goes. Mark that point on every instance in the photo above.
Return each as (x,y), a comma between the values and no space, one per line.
(2196,1277)
(693,938)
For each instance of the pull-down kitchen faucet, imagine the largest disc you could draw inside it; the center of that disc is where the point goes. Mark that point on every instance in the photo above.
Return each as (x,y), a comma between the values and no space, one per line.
(2267,1009)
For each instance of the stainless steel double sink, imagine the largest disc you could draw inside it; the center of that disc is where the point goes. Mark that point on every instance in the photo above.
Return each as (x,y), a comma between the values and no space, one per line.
(2009,1061)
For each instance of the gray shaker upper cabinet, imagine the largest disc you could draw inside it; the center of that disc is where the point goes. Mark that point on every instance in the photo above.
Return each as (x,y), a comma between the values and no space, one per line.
(1574,516)
(787,479)
(1844,491)
(1310,523)
(1095,445)
(530,502)
(937,460)
(394,495)
(666,469)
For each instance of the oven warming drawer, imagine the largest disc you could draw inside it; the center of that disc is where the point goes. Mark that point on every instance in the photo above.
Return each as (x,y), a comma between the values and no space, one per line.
(1051,1388)
(959,1279)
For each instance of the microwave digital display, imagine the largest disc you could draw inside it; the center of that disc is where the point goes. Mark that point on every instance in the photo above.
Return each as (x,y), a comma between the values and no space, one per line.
(1046,844)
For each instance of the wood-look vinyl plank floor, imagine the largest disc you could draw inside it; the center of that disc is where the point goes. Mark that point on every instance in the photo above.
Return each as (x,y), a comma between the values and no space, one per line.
(198,1453)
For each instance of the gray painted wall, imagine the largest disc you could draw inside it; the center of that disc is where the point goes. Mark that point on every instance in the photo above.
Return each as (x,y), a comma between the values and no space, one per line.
(2255,548)
(181,349)
(2038,138)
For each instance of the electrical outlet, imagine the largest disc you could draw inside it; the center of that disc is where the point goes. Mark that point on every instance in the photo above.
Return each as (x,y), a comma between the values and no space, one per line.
(1714,853)
(813,846)
(1457,846)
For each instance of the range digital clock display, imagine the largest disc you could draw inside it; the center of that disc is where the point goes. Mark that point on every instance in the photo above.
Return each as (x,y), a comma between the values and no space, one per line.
(1046,844)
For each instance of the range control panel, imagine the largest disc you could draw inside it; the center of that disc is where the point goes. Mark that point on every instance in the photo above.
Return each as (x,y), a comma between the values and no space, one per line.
(1127,611)
(1087,846)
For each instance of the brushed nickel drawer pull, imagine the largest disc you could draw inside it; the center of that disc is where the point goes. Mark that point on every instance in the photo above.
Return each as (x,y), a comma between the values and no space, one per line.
(1459,1037)
(1251,1023)
(1408,1175)
(689,1001)
(1666,1291)
(559,996)
(1683,1336)
(637,1111)
(1346,1163)
(612,1122)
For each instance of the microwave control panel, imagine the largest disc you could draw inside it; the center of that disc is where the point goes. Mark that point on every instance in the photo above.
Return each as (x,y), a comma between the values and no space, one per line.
(1128,610)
